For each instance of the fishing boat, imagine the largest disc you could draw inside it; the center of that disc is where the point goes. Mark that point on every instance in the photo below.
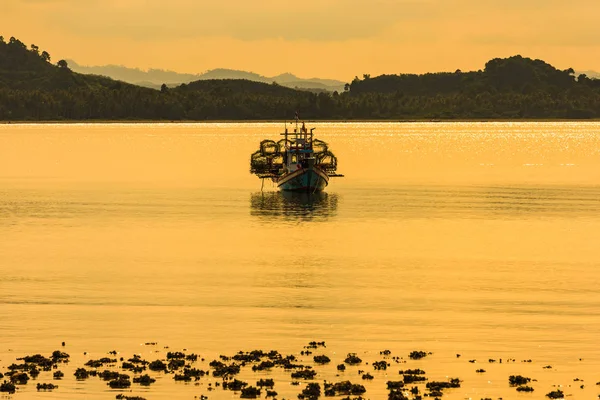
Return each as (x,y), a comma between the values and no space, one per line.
(297,163)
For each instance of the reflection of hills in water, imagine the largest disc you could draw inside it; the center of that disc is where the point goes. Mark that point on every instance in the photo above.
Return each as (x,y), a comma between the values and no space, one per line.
(293,205)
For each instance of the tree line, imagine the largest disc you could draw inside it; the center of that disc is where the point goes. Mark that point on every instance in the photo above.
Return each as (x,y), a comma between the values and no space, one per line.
(34,89)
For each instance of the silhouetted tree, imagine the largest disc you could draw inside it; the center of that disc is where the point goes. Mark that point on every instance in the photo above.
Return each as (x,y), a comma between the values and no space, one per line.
(62,64)
(164,88)
(45,56)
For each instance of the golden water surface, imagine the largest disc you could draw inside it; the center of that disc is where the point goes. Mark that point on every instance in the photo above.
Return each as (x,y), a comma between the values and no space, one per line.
(481,239)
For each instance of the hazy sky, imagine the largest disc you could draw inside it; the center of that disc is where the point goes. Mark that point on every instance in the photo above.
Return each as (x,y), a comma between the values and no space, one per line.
(324,38)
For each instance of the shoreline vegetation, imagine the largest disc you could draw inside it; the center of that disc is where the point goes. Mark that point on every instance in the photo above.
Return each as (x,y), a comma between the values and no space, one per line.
(32,89)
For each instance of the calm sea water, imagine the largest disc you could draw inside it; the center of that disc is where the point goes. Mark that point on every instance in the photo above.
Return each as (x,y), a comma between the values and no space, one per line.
(474,238)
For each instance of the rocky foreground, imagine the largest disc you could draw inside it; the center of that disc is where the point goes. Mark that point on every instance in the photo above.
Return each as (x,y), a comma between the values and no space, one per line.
(123,373)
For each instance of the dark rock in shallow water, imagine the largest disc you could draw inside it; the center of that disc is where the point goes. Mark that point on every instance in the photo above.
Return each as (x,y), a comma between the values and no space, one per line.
(380,365)
(234,385)
(343,388)
(321,359)
(341,367)
(352,359)
(8,387)
(312,391)
(367,376)
(416,371)
(221,369)
(81,373)
(524,389)
(397,395)
(46,386)
(109,375)
(59,356)
(304,374)
(19,378)
(436,386)
(175,355)
(157,365)
(271,393)
(265,383)
(122,382)
(557,394)
(413,378)
(250,393)
(135,368)
(417,355)
(99,363)
(263,365)
(175,364)
(480,371)
(123,397)
(395,385)
(144,380)
(516,380)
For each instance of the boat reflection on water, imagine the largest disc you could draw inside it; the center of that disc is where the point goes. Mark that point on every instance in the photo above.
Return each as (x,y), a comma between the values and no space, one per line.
(293,206)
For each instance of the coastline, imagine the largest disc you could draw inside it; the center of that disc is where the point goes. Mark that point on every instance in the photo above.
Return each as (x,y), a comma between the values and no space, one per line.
(232,121)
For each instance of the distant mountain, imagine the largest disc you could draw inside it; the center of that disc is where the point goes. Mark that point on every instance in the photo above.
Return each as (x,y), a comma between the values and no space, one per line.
(590,74)
(154,78)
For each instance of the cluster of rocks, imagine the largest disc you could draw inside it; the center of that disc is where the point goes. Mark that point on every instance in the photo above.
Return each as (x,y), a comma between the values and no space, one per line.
(121,374)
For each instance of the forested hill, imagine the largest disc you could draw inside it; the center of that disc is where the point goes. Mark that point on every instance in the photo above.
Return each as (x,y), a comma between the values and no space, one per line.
(33,88)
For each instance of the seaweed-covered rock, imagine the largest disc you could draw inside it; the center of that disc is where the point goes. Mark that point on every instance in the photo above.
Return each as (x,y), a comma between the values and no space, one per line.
(367,376)
(525,389)
(58,375)
(263,365)
(412,372)
(122,382)
(380,365)
(271,393)
(343,388)
(107,375)
(157,365)
(135,368)
(556,394)
(436,386)
(81,373)
(250,392)
(516,380)
(101,362)
(304,374)
(397,394)
(341,367)
(175,355)
(8,387)
(234,385)
(46,386)
(352,359)
(413,378)
(395,385)
(417,355)
(312,391)
(265,383)
(321,359)
(124,397)
(144,380)
(19,378)
(60,356)
(222,369)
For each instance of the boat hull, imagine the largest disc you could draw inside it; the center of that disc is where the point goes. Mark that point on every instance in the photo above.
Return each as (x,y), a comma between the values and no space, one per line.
(308,180)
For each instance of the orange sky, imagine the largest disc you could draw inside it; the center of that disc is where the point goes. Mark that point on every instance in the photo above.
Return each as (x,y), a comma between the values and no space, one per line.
(311,38)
